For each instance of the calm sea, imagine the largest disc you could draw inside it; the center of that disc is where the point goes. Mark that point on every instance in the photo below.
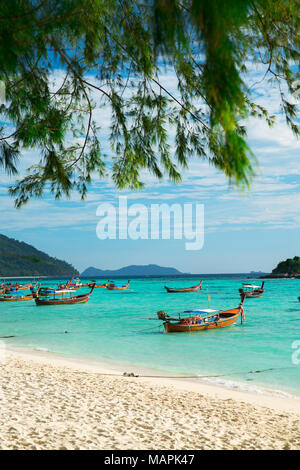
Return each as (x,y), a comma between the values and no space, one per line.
(121,327)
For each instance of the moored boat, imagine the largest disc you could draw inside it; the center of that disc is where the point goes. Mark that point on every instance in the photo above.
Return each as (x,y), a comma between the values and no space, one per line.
(73,284)
(99,286)
(199,320)
(251,291)
(15,297)
(16,287)
(111,285)
(184,289)
(74,299)
(27,286)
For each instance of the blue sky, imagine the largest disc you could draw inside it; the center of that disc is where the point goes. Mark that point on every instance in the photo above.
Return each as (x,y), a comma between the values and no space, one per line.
(243,231)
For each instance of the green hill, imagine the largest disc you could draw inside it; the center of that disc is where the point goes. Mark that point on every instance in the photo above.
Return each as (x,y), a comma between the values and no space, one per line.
(20,259)
(291,266)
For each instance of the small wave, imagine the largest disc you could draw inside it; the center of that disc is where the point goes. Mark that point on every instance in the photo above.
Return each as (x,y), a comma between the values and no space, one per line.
(250,388)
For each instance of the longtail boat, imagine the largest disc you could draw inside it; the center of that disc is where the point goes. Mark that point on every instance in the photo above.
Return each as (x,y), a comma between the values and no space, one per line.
(15,287)
(15,297)
(184,289)
(250,291)
(27,286)
(99,286)
(112,286)
(200,320)
(73,284)
(10,286)
(87,284)
(75,299)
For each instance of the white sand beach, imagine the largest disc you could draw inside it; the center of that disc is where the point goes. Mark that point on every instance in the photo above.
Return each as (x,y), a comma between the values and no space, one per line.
(52,402)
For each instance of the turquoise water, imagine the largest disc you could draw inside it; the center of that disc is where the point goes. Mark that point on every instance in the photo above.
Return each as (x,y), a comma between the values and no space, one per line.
(119,327)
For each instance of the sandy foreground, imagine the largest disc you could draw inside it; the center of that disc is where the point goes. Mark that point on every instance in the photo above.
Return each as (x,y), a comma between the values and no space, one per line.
(50,402)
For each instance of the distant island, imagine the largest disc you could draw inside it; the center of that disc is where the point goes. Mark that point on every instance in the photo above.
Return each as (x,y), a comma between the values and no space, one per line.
(18,259)
(257,273)
(153,270)
(132,270)
(286,269)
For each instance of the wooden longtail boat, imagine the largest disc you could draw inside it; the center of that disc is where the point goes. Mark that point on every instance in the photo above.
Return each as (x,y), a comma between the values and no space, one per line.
(112,286)
(15,287)
(99,286)
(75,299)
(27,286)
(12,287)
(250,291)
(14,297)
(185,289)
(73,284)
(197,322)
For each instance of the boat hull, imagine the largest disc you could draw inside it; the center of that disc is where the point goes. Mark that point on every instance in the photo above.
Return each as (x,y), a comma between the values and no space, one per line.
(184,289)
(188,289)
(227,318)
(117,288)
(16,299)
(112,287)
(253,296)
(70,300)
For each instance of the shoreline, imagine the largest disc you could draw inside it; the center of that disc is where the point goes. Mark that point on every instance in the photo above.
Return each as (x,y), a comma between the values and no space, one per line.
(262,396)
(49,402)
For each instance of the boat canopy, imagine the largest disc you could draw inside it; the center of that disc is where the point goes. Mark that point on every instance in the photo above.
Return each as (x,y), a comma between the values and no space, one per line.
(204,310)
(251,286)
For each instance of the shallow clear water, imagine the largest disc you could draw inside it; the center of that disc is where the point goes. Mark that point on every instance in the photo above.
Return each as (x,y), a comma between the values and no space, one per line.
(121,327)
